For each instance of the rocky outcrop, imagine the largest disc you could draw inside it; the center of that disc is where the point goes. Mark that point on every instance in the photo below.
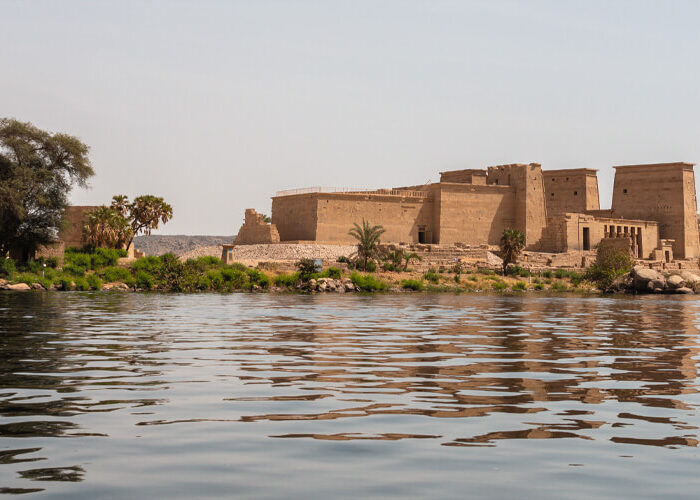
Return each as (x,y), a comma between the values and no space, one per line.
(18,287)
(644,280)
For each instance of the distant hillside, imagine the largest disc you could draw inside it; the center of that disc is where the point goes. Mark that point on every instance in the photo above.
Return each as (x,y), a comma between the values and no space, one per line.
(177,244)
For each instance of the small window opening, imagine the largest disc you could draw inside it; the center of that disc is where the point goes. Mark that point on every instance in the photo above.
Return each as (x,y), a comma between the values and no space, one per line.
(624,191)
(552,194)
(575,193)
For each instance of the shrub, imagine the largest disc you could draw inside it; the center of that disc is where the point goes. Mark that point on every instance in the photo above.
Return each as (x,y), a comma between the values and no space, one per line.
(234,278)
(483,270)
(144,280)
(559,286)
(307,268)
(457,278)
(432,277)
(74,270)
(7,267)
(81,284)
(539,286)
(209,260)
(103,257)
(115,273)
(368,282)
(332,272)
(287,280)
(77,259)
(371,266)
(65,283)
(516,270)
(258,278)
(499,285)
(94,281)
(520,286)
(609,264)
(547,274)
(416,285)
(473,278)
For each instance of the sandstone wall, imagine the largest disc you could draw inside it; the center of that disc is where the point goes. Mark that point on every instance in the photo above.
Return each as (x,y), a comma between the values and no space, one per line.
(401,216)
(574,190)
(473,214)
(71,232)
(254,230)
(664,193)
(295,216)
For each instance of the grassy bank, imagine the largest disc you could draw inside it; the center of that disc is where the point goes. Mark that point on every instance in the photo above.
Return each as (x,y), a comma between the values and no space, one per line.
(100,269)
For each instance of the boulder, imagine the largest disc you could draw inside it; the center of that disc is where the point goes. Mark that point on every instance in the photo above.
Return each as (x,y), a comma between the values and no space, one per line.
(684,290)
(675,281)
(38,286)
(645,279)
(19,287)
(690,278)
(116,286)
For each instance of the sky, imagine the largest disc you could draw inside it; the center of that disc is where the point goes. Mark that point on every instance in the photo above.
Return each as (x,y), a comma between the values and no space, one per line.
(215,106)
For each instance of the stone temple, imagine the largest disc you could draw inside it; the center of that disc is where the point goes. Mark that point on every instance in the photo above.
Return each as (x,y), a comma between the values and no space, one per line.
(653,212)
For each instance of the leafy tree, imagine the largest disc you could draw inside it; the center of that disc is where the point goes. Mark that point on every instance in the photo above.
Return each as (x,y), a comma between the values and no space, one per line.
(37,172)
(367,241)
(106,227)
(512,243)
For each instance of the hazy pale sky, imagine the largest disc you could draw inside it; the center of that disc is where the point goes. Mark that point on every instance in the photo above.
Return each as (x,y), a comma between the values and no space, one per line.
(217,105)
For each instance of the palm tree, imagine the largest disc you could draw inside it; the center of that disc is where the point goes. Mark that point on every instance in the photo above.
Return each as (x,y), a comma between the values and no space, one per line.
(266,219)
(408,257)
(512,243)
(106,227)
(367,241)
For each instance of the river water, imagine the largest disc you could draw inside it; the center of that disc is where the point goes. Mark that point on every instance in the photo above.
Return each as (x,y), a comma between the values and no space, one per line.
(326,396)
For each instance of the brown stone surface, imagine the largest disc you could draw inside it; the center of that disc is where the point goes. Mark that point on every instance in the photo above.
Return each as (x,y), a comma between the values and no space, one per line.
(254,230)
(654,211)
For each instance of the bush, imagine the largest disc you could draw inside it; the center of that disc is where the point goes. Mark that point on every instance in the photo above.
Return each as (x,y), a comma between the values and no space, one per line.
(307,268)
(519,286)
(559,286)
(110,274)
(516,270)
(332,272)
(234,278)
(258,278)
(368,282)
(287,280)
(77,259)
(74,270)
(609,264)
(538,286)
(65,283)
(7,267)
(457,278)
(432,276)
(81,284)
(483,270)
(144,280)
(371,266)
(148,264)
(94,281)
(103,257)
(499,285)
(547,274)
(412,285)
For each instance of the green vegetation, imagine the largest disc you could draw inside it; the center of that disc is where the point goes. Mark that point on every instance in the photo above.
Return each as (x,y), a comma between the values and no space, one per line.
(558,286)
(367,243)
(415,285)
(368,283)
(609,265)
(512,243)
(37,172)
(519,286)
(432,277)
(499,285)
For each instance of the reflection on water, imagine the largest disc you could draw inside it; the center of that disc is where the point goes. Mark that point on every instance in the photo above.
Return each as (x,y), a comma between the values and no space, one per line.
(410,395)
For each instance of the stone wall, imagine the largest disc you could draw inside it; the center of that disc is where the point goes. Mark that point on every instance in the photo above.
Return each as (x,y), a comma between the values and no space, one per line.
(71,232)
(472,214)
(571,190)
(254,230)
(663,192)
(295,216)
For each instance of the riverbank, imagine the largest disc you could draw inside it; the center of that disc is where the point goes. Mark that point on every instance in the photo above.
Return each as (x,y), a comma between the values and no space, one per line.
(102,270)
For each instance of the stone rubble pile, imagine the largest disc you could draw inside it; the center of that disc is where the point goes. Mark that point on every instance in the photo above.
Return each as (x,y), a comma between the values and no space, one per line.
(343,285)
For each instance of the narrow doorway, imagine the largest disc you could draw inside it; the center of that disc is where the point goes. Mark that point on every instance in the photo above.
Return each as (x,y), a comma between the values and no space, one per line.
(586,238)
(421,234)
(668,256)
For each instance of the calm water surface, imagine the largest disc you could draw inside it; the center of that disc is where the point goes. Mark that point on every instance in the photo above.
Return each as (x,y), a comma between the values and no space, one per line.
(264,396)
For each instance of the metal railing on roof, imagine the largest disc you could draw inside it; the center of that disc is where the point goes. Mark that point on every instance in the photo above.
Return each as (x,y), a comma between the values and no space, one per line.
(326,189)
